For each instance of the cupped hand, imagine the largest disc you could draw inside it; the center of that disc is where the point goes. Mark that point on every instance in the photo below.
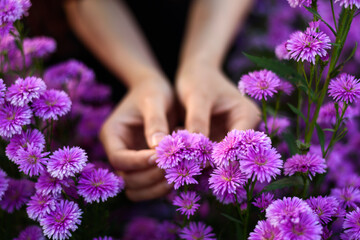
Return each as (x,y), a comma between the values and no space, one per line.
(131,132)
(213,105)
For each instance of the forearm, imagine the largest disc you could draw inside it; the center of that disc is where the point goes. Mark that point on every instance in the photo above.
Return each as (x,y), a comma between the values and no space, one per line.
(212,26)
(109,30)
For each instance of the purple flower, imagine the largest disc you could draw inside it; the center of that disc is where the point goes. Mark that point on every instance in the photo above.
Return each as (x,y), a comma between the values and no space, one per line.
(31,161)
(49,185)
(285,87)
(31,233)
(275,126)
(238,198)
(281,52)
(344,88)
(22,141)
(99,184)
(141,228)
(187,203)
(348,197)
(263,163)
(39,47)
(39,205)
(183,173)
(297,3)
(324,207)
(2,91)
(59,223)
(170,151)
(4,183)
(52,104)
(203,148)
(349,3)
(17,194)
(227,179)
(66,162)
(351,225)
(264,230)
(25,90)
(286,210)
(197,231)
(263,201)
(309,163)
(307,227)
(260,84)
(12,119)
(305,46)
(167,231)
(12,10)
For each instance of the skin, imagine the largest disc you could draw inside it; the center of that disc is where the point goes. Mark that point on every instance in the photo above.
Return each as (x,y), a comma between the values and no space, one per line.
(212,104)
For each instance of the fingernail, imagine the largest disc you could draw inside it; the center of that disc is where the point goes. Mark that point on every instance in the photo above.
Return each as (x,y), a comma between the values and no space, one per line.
(152,159)
(156,138)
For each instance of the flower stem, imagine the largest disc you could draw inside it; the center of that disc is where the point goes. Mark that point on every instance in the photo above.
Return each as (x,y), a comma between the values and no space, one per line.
(263,101)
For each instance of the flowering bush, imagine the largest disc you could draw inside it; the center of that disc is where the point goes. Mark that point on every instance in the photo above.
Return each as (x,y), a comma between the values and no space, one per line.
(293,178)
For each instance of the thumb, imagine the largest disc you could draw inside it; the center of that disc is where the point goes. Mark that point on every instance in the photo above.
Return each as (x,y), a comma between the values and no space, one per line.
(155,122)
(198,113)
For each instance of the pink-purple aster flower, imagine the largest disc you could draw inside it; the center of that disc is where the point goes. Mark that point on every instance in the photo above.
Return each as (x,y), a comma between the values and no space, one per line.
(39,205)
(183,173)
(4,183)
(305,46)
(12,119)
(31,233)
(99,184)
(263,201)
(262,163)
(25,90)
(203,148)
(238,198)
(170,151)
(39,47)
(349,3)
(324,207)
(265,231)
(351,225)
(141,228)
(52,104)
(12,10)
(260,84)
(227,179)
(275,126)
(2,91)
(197,231)
(187,203)
(297,3)
(349,197)
(285,87)
(281,52)
(344,88)
(46,184)
(17,194)
(32,160)
(309,163)
(286,210)
(66,162)
(307,227)
(59,223)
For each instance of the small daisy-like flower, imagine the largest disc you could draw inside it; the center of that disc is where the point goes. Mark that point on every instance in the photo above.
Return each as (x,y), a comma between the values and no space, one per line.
(260,84)
(197,231)
(238,198)
(324,207)
(4,183)
(25,90)
(227,179)
(297,3)
(2,91)
(66,162)
(17,194)
(263,164)
(31,233)
(170,151)
(344,88)
(31,161)
(349,197)
(263,201)
(187,203)
(52,104)
(349,3)
(12,119)
(59,224)
(305,46)
(183,173)
(265,231)
(275,125)
(309,163)
(286,210)
(99,184)
(203,149)
(351,225)
(39,205)
(285,87)
(22,141)
(46,184)
(307,227)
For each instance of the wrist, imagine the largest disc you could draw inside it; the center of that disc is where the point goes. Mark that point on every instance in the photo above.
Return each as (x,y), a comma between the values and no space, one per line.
(145,76)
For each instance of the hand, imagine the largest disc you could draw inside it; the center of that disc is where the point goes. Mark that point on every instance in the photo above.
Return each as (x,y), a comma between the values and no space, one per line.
(136,125)
(213,105)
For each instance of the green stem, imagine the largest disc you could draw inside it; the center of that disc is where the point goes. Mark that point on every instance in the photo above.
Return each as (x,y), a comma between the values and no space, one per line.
(263,101)
(306,187)
(299,104)
(249,196)
(333,13)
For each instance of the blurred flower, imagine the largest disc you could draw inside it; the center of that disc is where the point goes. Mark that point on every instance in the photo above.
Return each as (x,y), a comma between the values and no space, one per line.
(285,87)
(183,173)
(4,183)
(103,238)
(31,161)
(17,194)
(12,10)
(276,125)
(263,201)
(297,3)
(324,207)
(309,163)
(59,223)
(166,231)
(349,3)
(351,224)
(327,114)
(187,203)
(12,119)
(66,162)
(39,47)
(348,197)
(264,230)
(31,233)
(281,52)
(141,228)
(39,205)
(344,88)
(2,91)
(197,231)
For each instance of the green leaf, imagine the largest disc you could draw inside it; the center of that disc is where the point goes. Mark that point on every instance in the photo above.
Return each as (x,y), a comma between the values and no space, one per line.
(284,183)
(321,137)
(231,218)
(328,130)
(290,140)
(296,111)
(315,13)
